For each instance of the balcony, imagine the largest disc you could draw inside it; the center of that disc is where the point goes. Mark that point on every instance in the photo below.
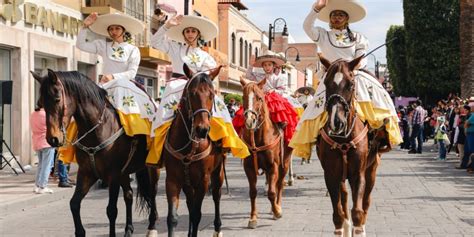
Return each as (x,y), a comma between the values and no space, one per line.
(236,3)
(104,6)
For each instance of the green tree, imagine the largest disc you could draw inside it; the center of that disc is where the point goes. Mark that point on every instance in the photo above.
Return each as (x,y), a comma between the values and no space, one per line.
(396,62)
(432,47)
(236,97)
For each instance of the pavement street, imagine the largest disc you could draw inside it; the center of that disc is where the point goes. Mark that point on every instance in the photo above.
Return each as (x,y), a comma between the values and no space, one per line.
(414,195)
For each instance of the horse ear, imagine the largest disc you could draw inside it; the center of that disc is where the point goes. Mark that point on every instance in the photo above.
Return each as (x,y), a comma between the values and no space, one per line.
(215,72)
(262,83)
(187,71)
(52,75)
(37,77)
(324,61)
(243,81)
(354,63)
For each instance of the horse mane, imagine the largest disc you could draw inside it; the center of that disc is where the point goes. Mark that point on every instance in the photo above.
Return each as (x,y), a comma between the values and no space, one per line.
(82,88)
(196,80)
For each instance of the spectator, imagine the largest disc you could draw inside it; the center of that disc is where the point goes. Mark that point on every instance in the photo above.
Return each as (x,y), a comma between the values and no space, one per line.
(441,137)
(469,126)
(43,149)
(460,139)
(417,124)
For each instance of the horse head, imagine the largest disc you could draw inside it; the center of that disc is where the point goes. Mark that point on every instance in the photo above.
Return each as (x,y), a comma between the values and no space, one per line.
(58,105)
(198,100)
(254,105)
(340,92)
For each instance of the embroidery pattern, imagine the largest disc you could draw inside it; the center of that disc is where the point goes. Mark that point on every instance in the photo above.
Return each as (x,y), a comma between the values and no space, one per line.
(117,53)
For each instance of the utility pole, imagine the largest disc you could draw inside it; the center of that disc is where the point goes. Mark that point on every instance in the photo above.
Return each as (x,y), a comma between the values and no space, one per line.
(186,7)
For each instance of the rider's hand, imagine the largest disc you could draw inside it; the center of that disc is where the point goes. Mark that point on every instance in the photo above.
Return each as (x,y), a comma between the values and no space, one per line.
(106,78)
(175,21)
(90,19)
(320,4)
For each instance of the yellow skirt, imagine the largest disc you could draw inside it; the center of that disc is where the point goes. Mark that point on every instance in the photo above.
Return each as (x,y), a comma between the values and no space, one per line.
(299,111)
(219,130)
(133,125)
(308,131)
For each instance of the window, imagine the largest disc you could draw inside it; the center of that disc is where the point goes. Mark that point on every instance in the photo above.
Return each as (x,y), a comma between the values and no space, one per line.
(148,83)
(246,55)
(241,54)
(256,52)
(135,8)
(233,48)
(250,51)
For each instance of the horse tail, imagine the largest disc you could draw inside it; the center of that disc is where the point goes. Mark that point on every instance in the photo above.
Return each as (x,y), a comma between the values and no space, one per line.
(145,194)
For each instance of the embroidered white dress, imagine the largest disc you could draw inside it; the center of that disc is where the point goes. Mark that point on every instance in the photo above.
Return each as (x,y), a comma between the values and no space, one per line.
(197,60)
(373,102)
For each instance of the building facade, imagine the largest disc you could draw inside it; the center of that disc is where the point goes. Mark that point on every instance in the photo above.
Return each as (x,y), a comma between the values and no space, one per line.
(42,35)
(239,39)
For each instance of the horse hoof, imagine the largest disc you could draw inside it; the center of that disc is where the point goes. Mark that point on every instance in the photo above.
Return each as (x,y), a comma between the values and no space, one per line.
(290,182)
(252,224)
(152,233)
(218,234)
(358,231)
(347,226)
(277,215)
(338,233)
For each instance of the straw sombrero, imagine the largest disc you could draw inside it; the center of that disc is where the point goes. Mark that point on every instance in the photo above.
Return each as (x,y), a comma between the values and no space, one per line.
(207,28)
(132,25)
(354,8)
(269,57)
(304,88)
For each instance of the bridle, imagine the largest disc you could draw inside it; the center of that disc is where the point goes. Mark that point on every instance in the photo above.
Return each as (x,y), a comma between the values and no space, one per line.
(257,123)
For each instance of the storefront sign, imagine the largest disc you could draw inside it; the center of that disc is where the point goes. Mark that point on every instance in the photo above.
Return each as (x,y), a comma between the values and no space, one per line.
(40,16)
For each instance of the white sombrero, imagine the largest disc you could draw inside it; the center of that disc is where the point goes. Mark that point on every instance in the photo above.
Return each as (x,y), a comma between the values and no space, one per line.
(207,28)
(269,57)
(132,25)
(353,8)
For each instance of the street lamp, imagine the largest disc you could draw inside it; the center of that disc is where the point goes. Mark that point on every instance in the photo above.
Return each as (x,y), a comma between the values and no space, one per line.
(297,53)
(271,32)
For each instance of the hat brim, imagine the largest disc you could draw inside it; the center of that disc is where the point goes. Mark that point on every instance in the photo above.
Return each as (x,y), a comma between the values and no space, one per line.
(268,58)
(354,9)
(132,25)
(207,28)
(302,89)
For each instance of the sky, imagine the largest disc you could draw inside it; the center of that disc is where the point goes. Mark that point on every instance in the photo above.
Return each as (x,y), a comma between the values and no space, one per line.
(381,14)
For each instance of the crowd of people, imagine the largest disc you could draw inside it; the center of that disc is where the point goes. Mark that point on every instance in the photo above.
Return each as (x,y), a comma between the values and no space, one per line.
(450,123)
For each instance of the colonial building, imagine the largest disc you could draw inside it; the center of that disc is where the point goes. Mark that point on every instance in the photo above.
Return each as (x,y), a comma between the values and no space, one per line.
(239,39)
(41,35)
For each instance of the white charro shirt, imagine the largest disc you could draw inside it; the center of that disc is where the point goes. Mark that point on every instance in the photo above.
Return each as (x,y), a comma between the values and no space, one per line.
(177,52)
(335,44)
(274,82)
(120,59)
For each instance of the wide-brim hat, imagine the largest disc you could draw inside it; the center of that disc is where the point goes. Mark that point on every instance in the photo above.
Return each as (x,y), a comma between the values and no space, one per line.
(353,8)
(131,24)
(311,90)
(269,57)
(206,27)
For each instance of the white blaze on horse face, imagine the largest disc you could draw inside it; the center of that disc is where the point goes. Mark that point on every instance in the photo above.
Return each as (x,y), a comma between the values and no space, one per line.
(338,77)
(333,117)
(248,118)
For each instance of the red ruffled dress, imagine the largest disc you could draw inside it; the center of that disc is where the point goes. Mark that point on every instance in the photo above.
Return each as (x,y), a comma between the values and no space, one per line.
(280,111)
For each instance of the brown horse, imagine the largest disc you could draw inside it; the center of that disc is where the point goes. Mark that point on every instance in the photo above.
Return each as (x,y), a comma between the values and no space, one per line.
(103,150)
(269,152)
(346,149)
(190,157)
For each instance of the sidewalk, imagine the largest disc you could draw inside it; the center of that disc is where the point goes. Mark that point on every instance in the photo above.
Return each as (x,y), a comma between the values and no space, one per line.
(16,191)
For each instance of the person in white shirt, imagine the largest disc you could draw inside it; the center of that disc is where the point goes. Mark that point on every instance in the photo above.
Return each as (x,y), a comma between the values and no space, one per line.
(374,104)
(120,65)
(180,38)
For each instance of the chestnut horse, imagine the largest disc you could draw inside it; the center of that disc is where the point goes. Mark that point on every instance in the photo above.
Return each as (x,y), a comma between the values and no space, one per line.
(269,152)
(103,150)
(189,155)
(344,151)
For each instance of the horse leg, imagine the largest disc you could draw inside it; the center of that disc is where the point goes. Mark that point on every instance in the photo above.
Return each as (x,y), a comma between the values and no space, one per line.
(291,178)
(189,192)
(333,184)
(347,223)
(196,213)
(216,184)
(154,176)
(287,166)
(114,189)
(173,188)
(84,183)
(370,175)
(272,176)
(252,179)
(128,198)
(357,186)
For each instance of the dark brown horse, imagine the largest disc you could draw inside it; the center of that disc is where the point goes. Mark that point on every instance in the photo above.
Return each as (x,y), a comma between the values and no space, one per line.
(190,157)
(344,151)
(102,149)
(269,152)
